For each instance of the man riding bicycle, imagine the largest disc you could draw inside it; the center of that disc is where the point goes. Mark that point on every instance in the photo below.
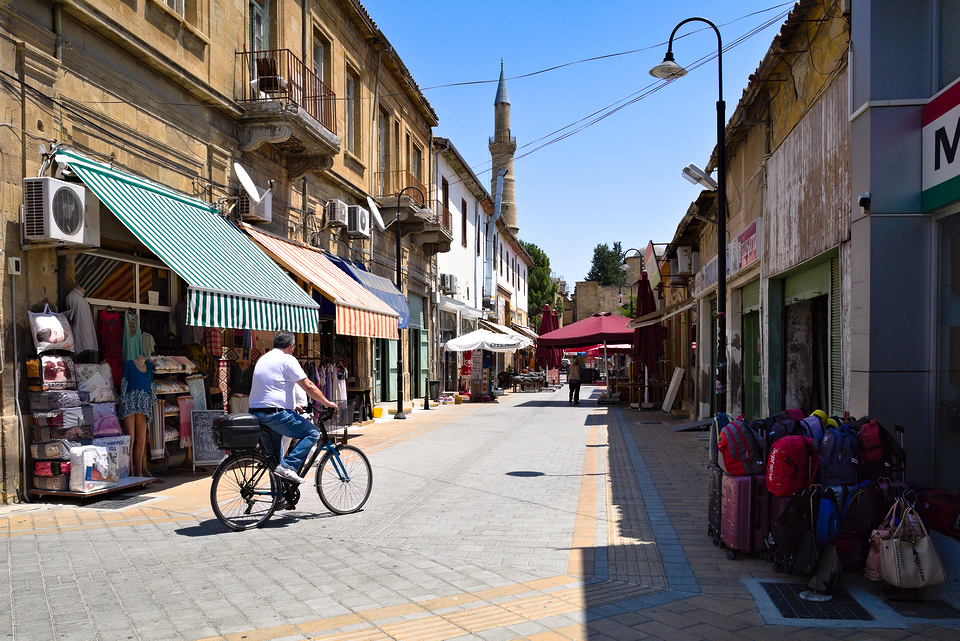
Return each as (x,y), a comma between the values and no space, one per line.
(273,400)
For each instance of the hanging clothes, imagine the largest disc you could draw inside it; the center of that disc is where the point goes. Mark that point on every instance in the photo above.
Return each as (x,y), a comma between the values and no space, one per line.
(187,406)
(110,328)
(198,391)
(81,321)
(132,340)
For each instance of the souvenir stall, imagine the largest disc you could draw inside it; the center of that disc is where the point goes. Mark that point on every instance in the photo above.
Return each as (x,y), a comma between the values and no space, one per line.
(482,345)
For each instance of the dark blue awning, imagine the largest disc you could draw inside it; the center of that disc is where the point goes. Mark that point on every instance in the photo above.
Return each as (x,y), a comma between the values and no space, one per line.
(381,287)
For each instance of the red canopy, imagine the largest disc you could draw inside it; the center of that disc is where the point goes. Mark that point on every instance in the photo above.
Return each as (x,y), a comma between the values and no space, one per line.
(599,328)
(548,357)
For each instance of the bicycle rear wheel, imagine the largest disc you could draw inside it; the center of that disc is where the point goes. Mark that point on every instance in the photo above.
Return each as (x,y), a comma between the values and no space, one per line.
(344,495)
(244,491)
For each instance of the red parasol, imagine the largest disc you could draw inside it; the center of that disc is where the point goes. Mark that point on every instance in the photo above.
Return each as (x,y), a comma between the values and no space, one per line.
(647,341)
(548,357)
(599,328)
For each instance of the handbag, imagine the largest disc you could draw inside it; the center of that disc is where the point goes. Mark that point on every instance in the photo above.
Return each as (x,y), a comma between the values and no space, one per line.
(881,533)
(908,560)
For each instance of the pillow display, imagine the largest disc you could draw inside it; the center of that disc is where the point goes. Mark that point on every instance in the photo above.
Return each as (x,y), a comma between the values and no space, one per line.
(50,331)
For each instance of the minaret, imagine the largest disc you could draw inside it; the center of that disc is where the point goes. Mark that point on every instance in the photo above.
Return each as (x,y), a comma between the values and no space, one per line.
(502,147)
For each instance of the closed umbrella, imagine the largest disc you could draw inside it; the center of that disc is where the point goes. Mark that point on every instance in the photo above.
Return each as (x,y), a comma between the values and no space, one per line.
(647,341)
(548,357)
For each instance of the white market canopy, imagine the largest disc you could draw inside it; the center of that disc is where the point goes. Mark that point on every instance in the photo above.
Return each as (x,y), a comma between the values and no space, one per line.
(484,339)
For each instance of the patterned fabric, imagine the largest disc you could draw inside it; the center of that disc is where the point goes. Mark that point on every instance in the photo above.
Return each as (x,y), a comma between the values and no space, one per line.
(213,343)
(111,338)
(137,391)
(186,406)
(198,354)
(132,340)
(223,375)
(195,383)
(157,437)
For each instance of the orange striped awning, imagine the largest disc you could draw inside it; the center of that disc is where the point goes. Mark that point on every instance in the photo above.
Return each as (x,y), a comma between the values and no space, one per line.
(359,311)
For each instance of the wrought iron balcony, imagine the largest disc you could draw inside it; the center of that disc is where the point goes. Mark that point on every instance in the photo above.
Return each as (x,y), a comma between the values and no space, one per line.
(289,107)
(432,233)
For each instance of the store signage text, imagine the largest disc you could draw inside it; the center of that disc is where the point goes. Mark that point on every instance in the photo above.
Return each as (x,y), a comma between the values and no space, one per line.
(940,139)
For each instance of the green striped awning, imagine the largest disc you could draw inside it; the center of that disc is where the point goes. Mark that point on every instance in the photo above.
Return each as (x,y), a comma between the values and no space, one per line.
(232,282)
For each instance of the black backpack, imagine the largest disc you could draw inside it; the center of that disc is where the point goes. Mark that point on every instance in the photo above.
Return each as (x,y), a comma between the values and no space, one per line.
(791,540)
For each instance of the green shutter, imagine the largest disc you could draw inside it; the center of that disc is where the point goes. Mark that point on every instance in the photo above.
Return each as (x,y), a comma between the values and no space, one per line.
(416,311)
(750,296)
(836,336)
(807,284)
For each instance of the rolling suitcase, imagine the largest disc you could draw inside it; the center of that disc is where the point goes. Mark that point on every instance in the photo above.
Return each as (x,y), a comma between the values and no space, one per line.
(745,516)
(714,485)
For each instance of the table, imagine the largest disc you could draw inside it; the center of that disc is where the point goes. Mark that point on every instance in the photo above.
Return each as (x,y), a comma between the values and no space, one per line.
(364,401)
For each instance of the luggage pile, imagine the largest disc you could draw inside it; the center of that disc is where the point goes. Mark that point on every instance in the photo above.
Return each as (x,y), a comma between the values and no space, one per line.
(810,492)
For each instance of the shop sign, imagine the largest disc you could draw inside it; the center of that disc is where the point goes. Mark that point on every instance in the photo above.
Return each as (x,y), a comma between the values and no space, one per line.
(651,266)
(747,245)
(741,252)
(940,138)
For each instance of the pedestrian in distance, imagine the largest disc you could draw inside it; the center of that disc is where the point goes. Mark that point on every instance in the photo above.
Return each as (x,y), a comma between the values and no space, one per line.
(573,380)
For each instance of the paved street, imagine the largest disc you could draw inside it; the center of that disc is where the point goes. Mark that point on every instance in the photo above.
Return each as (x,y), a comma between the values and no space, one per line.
(524,519)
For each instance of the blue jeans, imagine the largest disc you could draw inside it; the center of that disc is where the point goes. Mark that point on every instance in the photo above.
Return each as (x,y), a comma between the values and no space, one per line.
(289,423)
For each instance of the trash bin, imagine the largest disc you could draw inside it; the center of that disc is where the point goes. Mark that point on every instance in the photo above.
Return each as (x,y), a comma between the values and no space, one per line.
(434,389)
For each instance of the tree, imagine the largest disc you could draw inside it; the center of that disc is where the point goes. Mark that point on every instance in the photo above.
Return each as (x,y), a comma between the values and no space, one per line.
(605,268)
(541,289)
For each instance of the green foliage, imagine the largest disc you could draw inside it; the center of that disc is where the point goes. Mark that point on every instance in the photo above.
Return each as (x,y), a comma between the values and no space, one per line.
(541,289)
(605,268)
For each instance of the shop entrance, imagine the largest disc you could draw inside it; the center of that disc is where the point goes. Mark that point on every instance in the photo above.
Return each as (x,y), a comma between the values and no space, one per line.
(807,357)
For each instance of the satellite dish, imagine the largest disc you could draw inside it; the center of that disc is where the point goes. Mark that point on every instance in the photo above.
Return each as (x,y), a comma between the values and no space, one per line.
(255,194)
(375,213)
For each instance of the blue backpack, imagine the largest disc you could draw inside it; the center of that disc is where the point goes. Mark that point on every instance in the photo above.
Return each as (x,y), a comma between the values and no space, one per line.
(813,428)
(839,457)
(827,520)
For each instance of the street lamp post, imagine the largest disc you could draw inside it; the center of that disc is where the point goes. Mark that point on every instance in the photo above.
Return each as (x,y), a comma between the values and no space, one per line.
(668,70)
(424,212)
(625,269)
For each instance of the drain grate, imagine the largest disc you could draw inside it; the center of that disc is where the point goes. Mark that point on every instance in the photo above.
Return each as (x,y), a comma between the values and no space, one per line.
(121,502)
(649,422)
(924,609)
(786,598)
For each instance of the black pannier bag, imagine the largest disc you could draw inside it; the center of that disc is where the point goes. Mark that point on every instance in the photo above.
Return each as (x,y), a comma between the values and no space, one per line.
(236,432)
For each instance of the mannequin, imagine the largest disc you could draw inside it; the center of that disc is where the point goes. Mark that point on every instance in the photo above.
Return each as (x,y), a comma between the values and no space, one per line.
(137,400)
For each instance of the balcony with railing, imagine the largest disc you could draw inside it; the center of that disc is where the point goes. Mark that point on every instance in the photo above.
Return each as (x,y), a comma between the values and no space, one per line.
(433,233)
(288,106)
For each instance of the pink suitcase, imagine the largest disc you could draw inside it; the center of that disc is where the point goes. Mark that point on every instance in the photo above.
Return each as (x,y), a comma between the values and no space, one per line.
(744,516)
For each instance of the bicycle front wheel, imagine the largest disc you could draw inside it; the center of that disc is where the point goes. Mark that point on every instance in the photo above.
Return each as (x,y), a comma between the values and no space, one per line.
(344,481)
(244,491)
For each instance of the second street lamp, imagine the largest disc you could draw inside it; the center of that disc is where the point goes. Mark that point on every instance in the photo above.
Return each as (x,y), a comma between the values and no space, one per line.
(669,70)
(424,213)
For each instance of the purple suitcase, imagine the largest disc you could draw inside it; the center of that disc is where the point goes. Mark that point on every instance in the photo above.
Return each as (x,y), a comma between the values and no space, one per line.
(745,516)
(714,500)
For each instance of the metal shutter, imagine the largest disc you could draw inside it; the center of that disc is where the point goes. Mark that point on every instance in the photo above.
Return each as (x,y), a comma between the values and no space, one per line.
(836,366)
(416,311)
(750,296)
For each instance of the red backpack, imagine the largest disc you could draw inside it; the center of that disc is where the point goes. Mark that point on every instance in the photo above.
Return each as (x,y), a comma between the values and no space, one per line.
(880,454)
(740,449)
(792,465)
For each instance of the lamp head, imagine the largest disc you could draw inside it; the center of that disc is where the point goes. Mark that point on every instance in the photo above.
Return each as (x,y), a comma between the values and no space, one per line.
(668,69)
(624,267)
(698,176)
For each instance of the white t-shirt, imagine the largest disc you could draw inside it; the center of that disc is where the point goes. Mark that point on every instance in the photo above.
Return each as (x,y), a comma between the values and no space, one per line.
(274,379)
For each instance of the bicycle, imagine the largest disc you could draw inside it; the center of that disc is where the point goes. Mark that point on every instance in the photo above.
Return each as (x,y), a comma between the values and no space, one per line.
(245,491)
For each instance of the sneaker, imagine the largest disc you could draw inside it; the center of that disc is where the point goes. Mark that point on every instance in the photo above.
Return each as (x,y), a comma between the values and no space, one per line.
(288,474)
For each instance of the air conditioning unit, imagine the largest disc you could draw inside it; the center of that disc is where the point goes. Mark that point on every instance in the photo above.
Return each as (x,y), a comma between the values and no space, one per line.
(448,283)
(337,213)
(358,221)
(259,213)
(684,261)
(59,211)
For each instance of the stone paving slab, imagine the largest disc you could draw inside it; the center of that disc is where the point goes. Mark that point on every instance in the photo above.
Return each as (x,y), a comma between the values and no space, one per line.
(522,519)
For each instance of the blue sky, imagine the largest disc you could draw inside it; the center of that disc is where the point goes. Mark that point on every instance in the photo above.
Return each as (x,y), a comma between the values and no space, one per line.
(618,179)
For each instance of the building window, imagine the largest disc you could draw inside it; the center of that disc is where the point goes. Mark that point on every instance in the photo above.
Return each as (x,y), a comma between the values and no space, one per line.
(321,60)
(259,34)
(463,221)
(353,119)
(176,5)
(478,233)
(416,161)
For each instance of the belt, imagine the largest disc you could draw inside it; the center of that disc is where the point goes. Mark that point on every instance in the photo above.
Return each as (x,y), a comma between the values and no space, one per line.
(266,410)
